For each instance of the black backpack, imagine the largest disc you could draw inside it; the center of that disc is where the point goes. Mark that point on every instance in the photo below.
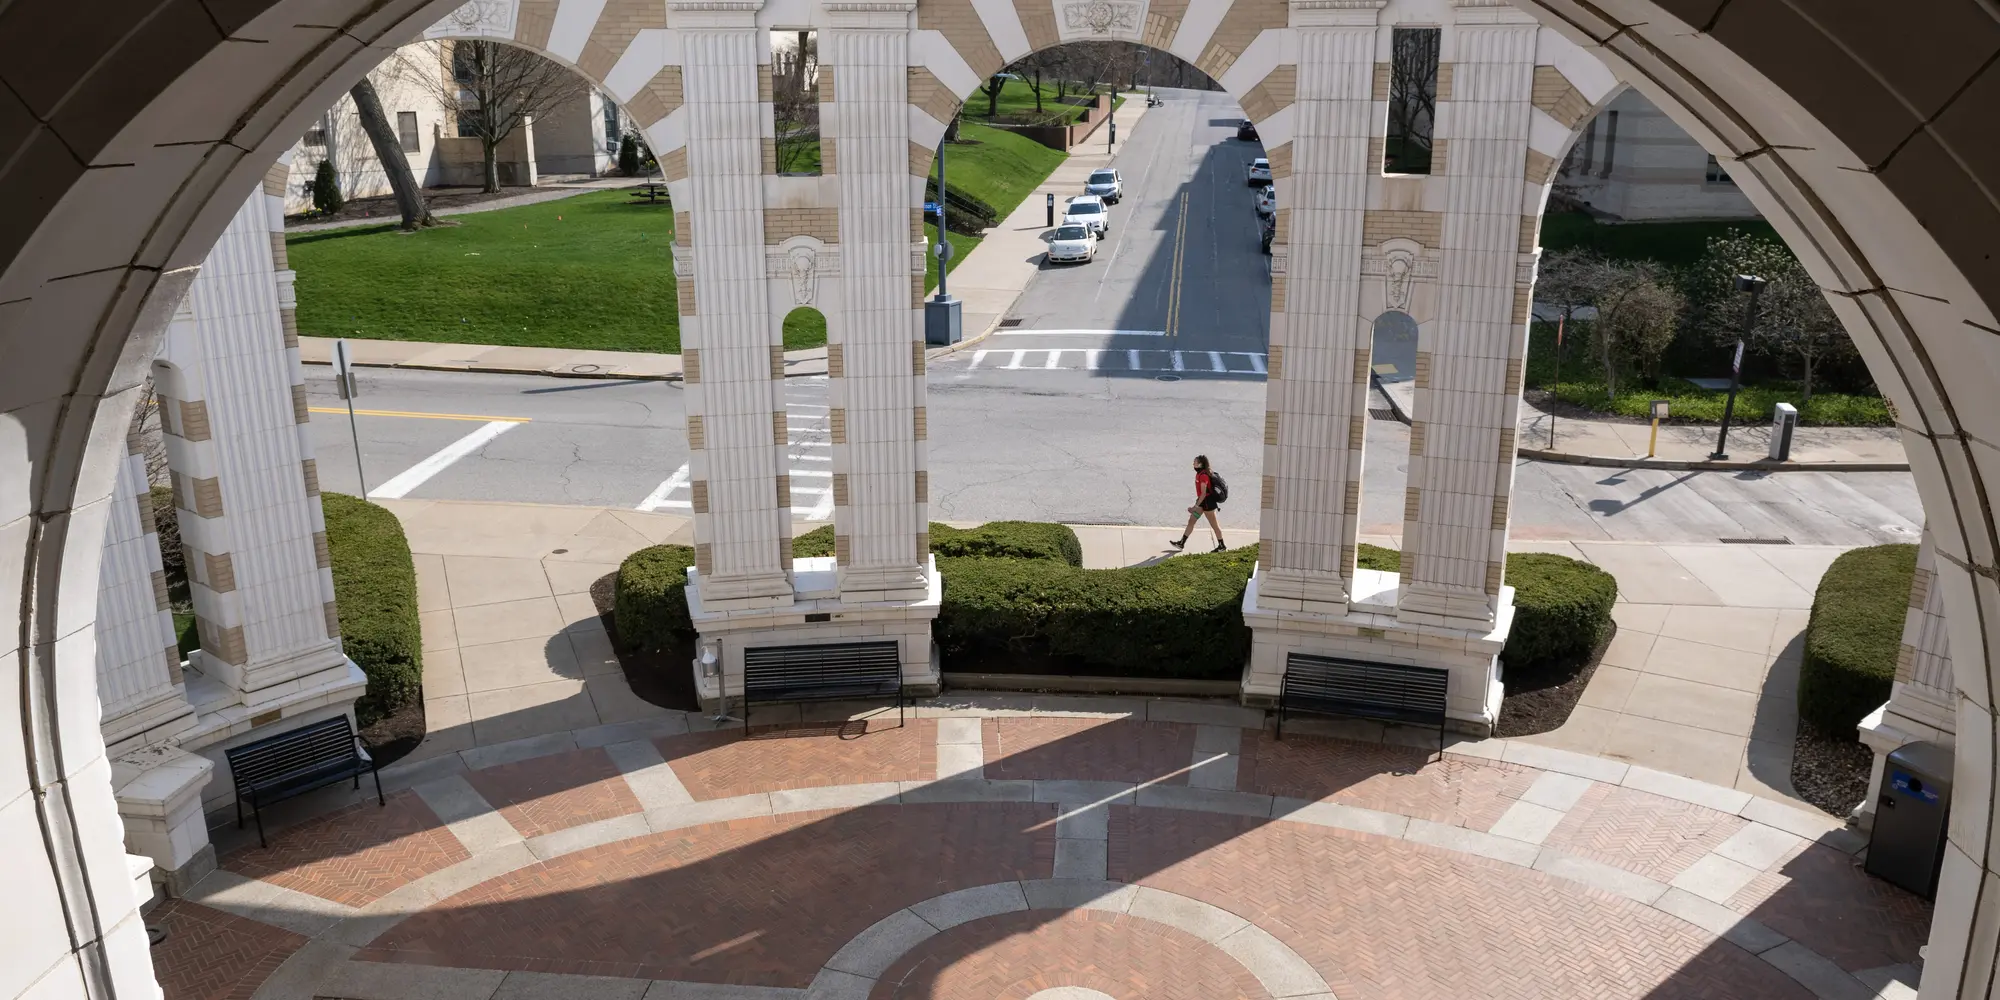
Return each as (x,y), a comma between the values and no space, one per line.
(1218,489)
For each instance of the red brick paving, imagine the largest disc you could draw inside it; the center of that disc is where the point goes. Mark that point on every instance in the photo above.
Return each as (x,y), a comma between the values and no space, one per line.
(1824,899)
(763,901)
(1461,791)
(1088,749)
(720,764)
(212,955)
(1391,920)
(1016,955)
(545,794)
(355,855)
(1641,832)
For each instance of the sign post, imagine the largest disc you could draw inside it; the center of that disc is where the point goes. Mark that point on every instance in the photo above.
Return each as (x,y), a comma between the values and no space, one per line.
(1755,286)
(1052,210)
(1659,414)
(350,387)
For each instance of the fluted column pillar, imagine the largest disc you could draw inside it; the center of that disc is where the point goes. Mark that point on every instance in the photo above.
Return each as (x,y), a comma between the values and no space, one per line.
(138,658)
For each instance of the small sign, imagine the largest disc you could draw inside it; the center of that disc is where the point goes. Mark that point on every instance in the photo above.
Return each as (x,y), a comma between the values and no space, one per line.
(1736,364)
(1660,409)
(930,208)
(943,249)
(343,371)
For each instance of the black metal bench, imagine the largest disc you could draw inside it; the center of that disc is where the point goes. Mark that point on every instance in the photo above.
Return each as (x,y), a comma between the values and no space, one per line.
(296,762)
(856,671)
(1392,692)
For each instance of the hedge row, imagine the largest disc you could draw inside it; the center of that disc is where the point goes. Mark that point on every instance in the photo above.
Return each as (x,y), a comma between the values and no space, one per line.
(993,540)
(375,589)
(1562,606)
(1854,634)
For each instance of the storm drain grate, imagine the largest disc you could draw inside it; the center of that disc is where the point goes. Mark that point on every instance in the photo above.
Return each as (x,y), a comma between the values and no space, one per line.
(1006,324)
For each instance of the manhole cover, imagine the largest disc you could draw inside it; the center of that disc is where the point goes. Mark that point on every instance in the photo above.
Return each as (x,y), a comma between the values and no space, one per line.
(1167,378)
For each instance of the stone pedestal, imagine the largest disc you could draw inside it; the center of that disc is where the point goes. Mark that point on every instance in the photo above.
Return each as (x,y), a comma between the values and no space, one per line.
(1369,629)
(817,616)
(159,797)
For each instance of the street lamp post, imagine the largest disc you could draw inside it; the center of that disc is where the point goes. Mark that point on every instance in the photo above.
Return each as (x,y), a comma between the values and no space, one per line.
(1111,119)
(1755,286)
(942,320)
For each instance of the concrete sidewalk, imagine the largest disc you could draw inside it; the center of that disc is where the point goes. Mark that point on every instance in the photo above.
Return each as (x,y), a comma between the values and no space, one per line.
(534,196)
(563,361)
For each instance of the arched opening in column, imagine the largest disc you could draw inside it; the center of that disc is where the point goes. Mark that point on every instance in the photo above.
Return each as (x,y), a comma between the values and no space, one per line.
(1392,406)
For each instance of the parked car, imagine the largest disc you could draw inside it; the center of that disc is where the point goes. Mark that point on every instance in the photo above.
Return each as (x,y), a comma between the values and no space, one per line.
(1267,200)
(1105,184)
(1260,171)
(1267,230)
(1072,244)
(1087,210)
(1246,130)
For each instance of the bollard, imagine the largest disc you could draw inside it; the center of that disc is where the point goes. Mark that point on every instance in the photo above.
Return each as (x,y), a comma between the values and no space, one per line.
(1052,210)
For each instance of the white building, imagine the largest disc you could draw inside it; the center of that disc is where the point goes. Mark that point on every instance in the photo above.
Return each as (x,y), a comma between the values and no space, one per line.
(1632,163)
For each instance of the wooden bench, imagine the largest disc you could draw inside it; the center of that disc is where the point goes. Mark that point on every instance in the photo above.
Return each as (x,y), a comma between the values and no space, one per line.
(1391,692)
(857,671)
(296,762)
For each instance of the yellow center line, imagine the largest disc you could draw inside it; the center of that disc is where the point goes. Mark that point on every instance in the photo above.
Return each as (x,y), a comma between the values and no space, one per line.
(1174,282)
(414,413)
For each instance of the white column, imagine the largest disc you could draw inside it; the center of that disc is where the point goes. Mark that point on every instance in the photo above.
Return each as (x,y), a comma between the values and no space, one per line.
(1923,701)
(1469,359)
(138,660)
(881,491)
(733,392)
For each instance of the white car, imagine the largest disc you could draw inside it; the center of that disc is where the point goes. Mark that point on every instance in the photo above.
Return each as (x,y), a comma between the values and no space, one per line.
(1105,184)
(1267,200)
(1089,211)
(1072,243)
(1260,171)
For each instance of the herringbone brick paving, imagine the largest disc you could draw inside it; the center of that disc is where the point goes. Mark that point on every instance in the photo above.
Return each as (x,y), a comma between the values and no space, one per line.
(1823,898)
(357,854)
(1461,791)
(212,955)
(1016,955)
(720,764)
(1088,749)
(1641,832)
(545,794)
(759,901)
(1391,920)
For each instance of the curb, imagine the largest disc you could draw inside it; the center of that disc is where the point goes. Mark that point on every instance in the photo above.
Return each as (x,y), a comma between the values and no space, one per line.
(965,342)
(1167,687)
(547,373)
(1705,465)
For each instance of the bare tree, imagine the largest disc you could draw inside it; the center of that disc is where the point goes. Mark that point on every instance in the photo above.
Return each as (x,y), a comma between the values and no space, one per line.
(1794,322)
(388,149)
(1638,311)
(991,88)
(795,104)
(493,89)
(1413,72)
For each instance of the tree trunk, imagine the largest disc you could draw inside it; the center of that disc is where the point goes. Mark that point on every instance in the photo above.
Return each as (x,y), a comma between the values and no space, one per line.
(389,150)
(492,172)
(1038,92)
(1808,387)
(993,97)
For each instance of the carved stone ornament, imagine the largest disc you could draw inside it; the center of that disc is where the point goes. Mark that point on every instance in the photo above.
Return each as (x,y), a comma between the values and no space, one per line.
(1399,271)
(1102,17)
(804,269)
(478,17)
(802,261)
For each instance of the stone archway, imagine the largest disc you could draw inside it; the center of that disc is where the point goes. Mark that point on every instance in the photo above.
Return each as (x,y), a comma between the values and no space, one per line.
(132,139)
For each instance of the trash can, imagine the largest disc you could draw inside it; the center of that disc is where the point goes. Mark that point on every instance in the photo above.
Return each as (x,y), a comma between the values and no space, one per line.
(1784,419)
(1907,846)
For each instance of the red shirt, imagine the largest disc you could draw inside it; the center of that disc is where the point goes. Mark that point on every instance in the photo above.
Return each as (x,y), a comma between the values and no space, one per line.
(1200,485)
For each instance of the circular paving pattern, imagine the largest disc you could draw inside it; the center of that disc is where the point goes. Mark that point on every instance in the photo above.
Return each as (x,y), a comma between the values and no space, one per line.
(1071,993)
(1074,955)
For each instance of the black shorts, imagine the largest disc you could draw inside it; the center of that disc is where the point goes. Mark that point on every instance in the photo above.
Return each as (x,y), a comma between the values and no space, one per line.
(1207,503)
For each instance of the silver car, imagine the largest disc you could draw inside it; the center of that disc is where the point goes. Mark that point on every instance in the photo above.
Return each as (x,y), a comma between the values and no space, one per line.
(1105,184)
(1072,244)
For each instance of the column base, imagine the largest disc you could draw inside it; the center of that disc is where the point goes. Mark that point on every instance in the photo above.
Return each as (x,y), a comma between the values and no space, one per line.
(1885,731)
(817,615)
(225,722)
(1369,630)
(158,790)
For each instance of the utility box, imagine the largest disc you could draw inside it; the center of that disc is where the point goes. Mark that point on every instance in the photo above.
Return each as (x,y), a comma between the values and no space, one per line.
(943,323)
(1907,846)
(1784,420)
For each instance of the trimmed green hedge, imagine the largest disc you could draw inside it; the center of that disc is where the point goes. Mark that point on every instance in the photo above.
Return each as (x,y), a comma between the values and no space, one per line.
(1562,607)
(1854,634)
(375,589)
(649,602)
(993,540)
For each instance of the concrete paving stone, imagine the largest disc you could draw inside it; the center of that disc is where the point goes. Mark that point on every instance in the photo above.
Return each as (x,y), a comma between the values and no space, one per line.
(1585,732)
(382,981)
(442,674)
(1767,770)
(1069,790)
(1609,688)
(680,817)
(577,838)
(960,732)
(1804,565)
(1738,576)
(1675,786)
(1489,748)
(433,592)
(550,986)
(1340,817)
(361,931)
(1790,628)
(1648,575)
(1816,972)
(1458,838)
(1233,803)
(575,577)
(966,905)
(960,760)
(534,618)
(437,629)
(1209,923)
(520,712)
(1715,878)
(1739,628)
(1719,920)
(1557,791)
(1085,859)
(252,899)
(652,780)
(1628,649)
(1215,772)
(832,984)
(305,973)
(1565,762)
(1690,703)
(872,951)
(968,790)
(1646,618)
(1599,875)
(1205,713)
(1275,965)
(467,814)
(449,882)
(1079,894)
(670,724)
(1213,739)
(579,613)
(477,580)
(835,797)
(406,772)
(1891,982)
(1527,823)
(1810,824)
(1759,846)
(1718,665)
(1089,823)
(518,662)
(1702,754)
(669,990)
(615,701)
(495,754)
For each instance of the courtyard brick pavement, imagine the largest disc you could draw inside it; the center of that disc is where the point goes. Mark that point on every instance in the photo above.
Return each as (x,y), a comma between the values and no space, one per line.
(356,855)
(1456,790)
(720,764)
(1641,832)
(542,795)
(1015,956)
(211,955)
(1088,749)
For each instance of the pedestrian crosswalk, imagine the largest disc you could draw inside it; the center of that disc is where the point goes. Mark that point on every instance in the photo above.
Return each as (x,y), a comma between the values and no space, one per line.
(808,450)
(1150,361)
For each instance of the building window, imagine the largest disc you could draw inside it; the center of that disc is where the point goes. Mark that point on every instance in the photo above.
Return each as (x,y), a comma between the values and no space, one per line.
(795,100)
(406,129)
(1717,175)
(1413,77)
(612,133)
(316,137)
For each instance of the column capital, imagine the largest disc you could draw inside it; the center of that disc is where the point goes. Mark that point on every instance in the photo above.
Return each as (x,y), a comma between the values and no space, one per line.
(696,14)
(1336,13)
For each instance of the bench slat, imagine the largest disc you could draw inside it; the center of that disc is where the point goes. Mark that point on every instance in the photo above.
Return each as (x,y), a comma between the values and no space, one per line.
(1340,686)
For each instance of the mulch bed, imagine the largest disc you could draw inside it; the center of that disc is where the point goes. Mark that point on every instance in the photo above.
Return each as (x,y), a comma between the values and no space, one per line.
(392,737)
(662,677)
(1540,700)
(1830,770)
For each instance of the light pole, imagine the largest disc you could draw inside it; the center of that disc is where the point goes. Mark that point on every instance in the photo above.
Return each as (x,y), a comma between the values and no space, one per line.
(1111,119)
(941,314)
(1755,286)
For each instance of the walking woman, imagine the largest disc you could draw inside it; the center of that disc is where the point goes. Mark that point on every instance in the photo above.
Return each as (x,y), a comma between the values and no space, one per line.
(1209,493)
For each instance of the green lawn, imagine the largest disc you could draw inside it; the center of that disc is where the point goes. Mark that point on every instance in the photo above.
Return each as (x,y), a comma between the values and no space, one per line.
(997,166)
(1675,244)
(593,271)
(1017,98)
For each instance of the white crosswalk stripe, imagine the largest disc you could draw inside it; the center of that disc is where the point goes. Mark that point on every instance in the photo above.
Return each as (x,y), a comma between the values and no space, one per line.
(808,452)
(1129,360)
